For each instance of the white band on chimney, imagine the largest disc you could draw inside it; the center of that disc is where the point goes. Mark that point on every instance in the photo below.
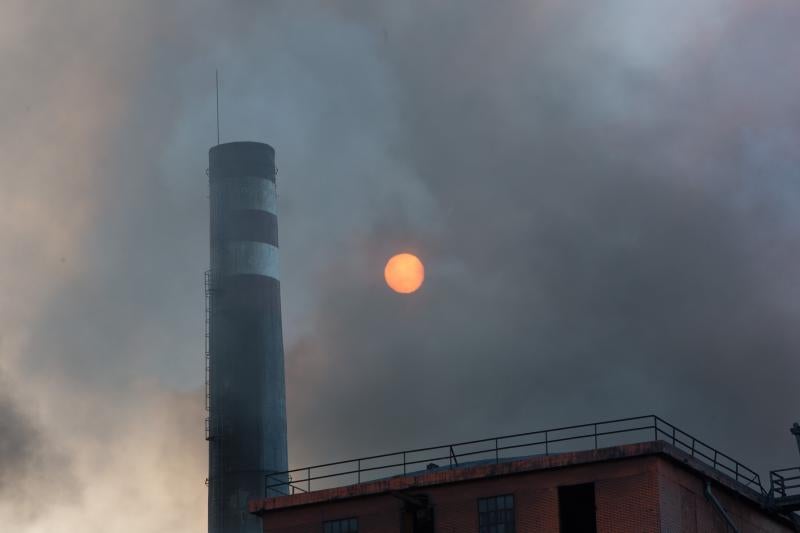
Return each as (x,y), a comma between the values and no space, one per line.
(249,257)
(252,192)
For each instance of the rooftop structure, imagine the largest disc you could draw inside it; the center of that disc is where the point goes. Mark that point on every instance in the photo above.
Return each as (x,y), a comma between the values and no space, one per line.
(636,474)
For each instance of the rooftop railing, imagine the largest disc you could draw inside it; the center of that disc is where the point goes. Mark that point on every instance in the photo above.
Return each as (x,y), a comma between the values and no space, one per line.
(785,482)
(499,449)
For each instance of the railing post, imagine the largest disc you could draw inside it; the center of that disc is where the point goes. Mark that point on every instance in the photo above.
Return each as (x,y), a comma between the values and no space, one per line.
(496,452)
(308,478)
(404,463)
(359,470)
(546,444)
(595,436)
(673,435)
(715,459)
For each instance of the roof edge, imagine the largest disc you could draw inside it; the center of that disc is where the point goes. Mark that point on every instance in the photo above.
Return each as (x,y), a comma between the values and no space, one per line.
(517,466)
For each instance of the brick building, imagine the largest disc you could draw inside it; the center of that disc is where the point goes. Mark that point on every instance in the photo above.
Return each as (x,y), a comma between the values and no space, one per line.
(671,483)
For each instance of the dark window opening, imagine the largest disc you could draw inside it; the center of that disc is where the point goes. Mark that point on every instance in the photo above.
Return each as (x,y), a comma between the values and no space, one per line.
(423,520)
(576,510)
(348,525)
(496,514)
(417,514)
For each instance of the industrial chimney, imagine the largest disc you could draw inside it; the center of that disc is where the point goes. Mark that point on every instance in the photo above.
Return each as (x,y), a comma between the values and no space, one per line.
(245,391)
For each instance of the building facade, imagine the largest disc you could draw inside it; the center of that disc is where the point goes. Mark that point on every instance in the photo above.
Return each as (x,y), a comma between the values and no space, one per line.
(637,488)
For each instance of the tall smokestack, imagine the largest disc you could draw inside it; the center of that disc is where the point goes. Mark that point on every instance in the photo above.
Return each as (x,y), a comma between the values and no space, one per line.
(246,389)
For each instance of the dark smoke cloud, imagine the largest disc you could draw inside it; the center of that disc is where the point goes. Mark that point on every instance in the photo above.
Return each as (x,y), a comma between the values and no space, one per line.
(30,462)
(611,239)
(19,445)
(606,199)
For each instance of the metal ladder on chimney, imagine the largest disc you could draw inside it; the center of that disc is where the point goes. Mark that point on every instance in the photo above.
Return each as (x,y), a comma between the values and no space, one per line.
(209,288)
(215,445)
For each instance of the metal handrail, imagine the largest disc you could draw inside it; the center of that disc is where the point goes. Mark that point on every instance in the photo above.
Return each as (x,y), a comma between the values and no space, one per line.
(656,427)
(782,485)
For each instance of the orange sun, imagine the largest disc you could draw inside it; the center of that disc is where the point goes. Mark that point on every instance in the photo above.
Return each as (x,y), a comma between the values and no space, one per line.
(404,273)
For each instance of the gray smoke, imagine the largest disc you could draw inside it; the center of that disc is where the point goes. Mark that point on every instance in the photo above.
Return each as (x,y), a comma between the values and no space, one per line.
(606,199)
(19,446)
(30,463)
(613,234)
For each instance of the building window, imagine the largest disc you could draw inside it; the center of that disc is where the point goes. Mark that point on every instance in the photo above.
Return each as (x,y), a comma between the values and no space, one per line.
(496,514)
(576,509)
(348,525)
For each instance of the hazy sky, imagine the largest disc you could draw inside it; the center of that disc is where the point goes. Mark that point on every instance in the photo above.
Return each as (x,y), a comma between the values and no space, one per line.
(606,196)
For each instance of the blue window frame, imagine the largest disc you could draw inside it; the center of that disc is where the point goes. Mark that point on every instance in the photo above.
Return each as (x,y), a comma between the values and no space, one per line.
(496,514)
(346,525)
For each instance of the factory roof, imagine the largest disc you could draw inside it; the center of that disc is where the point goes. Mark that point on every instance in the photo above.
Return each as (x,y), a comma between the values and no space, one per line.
(609,440)
(486,469)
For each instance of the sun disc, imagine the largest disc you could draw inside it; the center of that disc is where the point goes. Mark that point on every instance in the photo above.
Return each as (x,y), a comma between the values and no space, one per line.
(404,273)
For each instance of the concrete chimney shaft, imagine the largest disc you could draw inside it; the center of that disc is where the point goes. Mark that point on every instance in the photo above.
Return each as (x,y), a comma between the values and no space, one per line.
(247,419)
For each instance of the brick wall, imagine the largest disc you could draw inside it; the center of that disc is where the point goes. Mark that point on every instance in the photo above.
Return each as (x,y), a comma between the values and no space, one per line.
(378,514)
(628,503)
(685,508)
